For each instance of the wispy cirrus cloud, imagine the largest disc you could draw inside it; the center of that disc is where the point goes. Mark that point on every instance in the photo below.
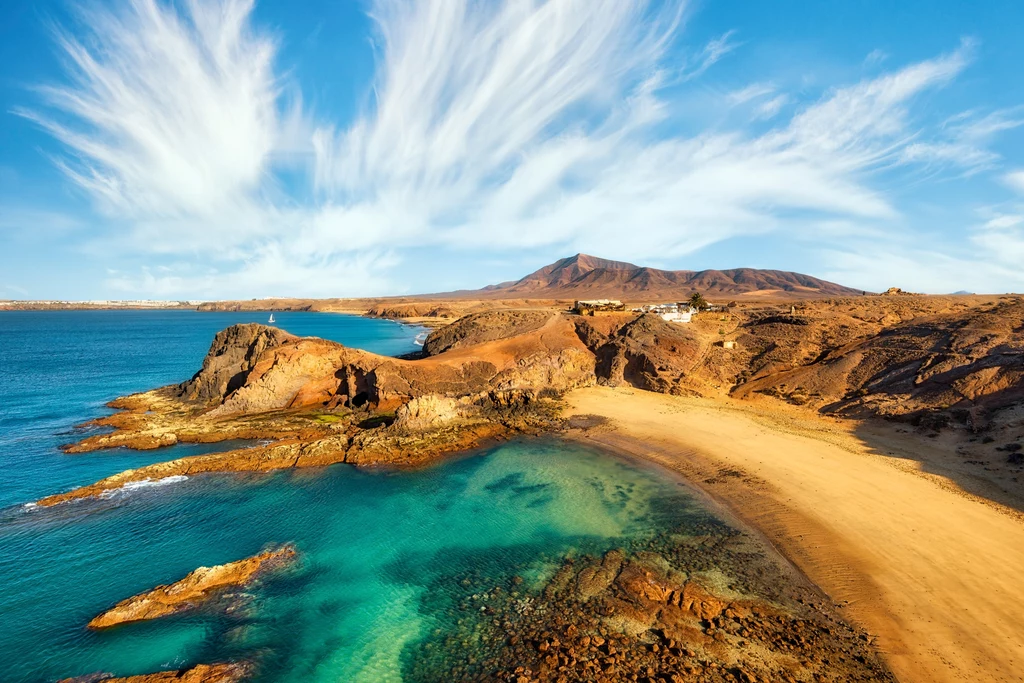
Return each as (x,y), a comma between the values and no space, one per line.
(964,141)
(165,113)
(754,91)
(494,125)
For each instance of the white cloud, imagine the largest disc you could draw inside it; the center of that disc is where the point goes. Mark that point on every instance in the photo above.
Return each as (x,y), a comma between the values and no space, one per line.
(269,272)
(917,268)
(583,183)
(965,141)
(20,291)
(502,125)
(1015,179)
(712,53)
(754,91)
(875,57)
(166,113)
(769,109)
(1004,221)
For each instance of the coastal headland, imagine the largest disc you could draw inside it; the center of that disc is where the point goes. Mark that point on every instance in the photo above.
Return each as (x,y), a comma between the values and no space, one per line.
(875,440)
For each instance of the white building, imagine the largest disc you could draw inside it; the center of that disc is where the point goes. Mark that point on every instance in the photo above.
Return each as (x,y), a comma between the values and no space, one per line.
(677,316)
(673,313)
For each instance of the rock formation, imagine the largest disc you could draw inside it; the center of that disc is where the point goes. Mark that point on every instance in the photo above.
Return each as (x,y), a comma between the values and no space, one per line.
(192,591)
(322,403)
(201,673)
(232,356)
(647,353)
(484,327)
(254,369)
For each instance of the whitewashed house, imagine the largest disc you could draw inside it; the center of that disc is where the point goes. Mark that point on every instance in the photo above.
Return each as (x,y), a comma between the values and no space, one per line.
(675,313)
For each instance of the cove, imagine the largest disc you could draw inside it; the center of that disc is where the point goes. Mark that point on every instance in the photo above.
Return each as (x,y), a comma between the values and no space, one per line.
(537,550)
(383,556)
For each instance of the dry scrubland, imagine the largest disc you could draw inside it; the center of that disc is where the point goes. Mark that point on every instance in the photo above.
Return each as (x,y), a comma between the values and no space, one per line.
(875,440)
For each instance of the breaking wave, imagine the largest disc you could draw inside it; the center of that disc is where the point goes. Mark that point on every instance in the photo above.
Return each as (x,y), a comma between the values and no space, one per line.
(143,484)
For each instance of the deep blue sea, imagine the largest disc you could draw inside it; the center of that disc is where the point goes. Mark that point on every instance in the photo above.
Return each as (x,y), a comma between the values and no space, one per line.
(373,545)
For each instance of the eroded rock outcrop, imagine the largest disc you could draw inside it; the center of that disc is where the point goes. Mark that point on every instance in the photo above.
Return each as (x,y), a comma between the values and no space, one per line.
(253,369)
(321,403)
(198,587)
(431,411)
(484,327)
(230,672)
(647,353)
(232,356)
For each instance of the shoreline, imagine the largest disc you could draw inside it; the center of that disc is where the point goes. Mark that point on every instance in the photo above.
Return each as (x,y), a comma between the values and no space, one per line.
(713,504)
(899,559)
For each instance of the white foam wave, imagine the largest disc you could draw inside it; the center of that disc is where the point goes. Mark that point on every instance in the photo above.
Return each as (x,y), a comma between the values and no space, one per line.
(143,484)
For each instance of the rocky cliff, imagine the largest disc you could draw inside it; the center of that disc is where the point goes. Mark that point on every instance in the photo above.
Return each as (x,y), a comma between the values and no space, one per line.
(253,369)
(232,356)
(484,327)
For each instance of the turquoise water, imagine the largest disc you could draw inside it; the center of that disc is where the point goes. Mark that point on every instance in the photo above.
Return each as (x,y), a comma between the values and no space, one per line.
(61,367)
(378,549)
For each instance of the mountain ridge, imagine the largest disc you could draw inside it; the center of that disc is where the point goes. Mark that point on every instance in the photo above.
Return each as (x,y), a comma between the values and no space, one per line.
(584,275)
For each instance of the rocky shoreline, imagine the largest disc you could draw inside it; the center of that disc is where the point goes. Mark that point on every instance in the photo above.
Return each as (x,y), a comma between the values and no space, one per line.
(643,613)
(229,672)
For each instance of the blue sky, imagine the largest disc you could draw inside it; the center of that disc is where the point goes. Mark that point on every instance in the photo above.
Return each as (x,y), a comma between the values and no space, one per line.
(220,148)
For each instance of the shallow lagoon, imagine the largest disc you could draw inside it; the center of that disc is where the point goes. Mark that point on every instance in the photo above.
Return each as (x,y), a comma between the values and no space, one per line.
(371,544)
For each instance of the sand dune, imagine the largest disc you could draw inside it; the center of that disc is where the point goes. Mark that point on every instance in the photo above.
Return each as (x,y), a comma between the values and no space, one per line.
(934,572)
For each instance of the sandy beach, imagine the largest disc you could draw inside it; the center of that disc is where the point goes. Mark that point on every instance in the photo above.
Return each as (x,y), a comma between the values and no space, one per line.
(933,572)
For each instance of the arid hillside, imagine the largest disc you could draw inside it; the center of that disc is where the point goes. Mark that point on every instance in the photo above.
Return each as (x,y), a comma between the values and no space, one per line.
(583,276)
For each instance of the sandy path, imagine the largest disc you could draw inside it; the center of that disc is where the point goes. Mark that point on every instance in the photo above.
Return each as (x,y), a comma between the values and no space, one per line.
(937,575)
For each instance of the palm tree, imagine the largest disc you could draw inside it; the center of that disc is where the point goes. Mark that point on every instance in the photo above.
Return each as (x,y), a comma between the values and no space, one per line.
(698,302)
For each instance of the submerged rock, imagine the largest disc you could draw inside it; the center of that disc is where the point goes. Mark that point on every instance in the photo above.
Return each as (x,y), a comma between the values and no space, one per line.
(649,616)
(198,587)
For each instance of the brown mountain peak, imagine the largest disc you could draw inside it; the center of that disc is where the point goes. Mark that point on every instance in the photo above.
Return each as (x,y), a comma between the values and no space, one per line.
(591,277)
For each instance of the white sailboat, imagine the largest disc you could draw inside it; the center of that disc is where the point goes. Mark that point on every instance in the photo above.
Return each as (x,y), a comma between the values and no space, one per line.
(271,321)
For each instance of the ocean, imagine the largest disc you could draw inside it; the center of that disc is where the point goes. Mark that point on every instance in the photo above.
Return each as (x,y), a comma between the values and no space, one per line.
(384,555)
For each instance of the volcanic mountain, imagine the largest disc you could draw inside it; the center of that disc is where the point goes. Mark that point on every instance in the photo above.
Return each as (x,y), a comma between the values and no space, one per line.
(583,276)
